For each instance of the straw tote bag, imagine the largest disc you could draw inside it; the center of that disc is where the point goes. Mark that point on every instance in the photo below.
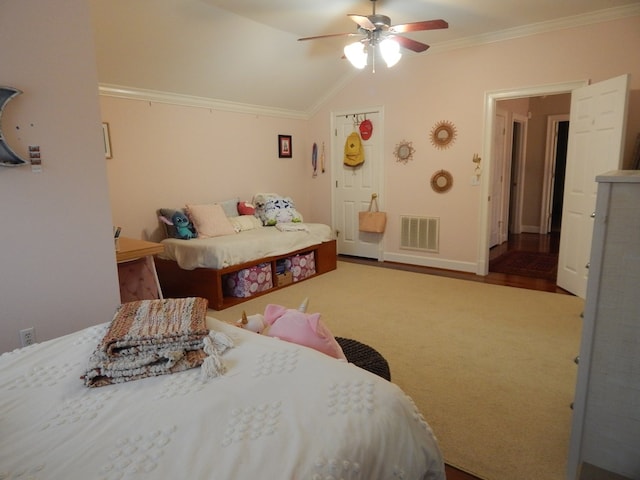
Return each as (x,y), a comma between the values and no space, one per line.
(372,220)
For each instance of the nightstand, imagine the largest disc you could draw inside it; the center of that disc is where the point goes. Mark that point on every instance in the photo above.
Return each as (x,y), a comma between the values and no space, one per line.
(136,269)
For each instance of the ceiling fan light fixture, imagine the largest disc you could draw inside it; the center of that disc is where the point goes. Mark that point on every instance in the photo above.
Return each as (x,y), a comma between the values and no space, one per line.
(390,51)
(356,54)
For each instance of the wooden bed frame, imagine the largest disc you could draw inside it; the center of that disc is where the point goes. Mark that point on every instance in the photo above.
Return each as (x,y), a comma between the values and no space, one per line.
(207,282)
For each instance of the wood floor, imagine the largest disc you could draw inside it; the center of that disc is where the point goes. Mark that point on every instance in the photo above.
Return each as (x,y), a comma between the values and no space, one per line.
(526,241)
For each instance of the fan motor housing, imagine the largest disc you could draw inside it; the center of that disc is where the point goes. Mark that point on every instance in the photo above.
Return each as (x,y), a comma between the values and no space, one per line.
(380,21)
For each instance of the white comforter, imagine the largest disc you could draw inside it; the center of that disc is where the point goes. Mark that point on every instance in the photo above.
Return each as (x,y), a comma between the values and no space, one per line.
(245,246)
(281,411)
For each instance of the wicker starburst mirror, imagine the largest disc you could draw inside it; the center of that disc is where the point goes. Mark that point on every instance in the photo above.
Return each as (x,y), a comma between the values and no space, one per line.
(443,134)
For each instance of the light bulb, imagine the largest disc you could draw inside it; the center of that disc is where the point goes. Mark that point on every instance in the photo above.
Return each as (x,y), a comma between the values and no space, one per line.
(390,51)
(356,54)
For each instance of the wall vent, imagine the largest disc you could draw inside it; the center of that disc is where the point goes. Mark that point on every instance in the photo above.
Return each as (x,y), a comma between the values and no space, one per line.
(420,233)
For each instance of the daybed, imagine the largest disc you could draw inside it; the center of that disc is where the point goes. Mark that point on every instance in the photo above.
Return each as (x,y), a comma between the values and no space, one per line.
(243,254)
(281,411)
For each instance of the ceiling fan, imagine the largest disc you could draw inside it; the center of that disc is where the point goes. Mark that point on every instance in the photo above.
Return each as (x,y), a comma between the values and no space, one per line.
(376,30)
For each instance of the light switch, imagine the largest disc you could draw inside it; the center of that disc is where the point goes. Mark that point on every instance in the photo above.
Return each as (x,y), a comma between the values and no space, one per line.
(35,158)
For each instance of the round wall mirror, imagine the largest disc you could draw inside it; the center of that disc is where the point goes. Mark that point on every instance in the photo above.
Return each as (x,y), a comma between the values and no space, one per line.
(441,181)
(404,151)
(443,134)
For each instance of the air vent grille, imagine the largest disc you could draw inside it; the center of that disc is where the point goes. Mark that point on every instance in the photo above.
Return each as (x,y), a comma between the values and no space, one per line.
(420,233)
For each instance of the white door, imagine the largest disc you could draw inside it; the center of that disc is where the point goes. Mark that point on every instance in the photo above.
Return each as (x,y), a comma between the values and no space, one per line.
(353,186)
(595,146)
(498,224)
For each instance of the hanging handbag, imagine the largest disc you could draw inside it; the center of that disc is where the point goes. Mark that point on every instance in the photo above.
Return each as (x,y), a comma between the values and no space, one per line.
(371,220)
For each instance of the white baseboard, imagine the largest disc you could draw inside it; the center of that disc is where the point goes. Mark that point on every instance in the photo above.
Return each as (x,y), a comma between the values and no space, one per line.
(468,267)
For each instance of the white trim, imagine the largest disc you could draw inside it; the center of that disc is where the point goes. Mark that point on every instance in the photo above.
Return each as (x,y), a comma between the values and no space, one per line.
(432,262)
(490,100)
(530,229)
(118,91)
(574,21)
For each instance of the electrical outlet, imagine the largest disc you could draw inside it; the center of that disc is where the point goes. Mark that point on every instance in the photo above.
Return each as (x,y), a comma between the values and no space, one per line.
(27,336)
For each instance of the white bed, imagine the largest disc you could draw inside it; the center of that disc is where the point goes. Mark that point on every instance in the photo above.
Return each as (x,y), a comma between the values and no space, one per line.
(281,411)
(246,246)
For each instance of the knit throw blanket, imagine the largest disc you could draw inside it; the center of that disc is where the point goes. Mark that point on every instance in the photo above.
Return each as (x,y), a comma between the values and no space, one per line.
(156,337)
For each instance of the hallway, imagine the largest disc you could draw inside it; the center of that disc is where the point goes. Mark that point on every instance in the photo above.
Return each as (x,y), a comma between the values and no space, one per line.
(547,246)
(530,242)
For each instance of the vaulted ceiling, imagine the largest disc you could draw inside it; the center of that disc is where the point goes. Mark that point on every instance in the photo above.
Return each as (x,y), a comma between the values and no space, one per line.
(246,51)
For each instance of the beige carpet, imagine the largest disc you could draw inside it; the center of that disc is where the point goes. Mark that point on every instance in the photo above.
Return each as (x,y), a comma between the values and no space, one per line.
(490,367)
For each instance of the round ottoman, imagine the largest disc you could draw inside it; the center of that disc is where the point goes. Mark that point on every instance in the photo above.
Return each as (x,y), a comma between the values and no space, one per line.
(365,357)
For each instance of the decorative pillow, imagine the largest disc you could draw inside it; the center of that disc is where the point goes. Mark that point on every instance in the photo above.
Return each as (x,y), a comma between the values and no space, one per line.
(166,215)
(230,207)
(209,220)
(301,328)
(245,208)
(273,209)
(245,222)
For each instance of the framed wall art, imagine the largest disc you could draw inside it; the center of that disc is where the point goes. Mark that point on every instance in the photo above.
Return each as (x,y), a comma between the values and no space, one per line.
(284,146)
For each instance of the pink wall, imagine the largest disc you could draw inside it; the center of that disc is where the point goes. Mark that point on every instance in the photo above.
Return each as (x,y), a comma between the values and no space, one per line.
(422,90)
(167,155)
(57,261)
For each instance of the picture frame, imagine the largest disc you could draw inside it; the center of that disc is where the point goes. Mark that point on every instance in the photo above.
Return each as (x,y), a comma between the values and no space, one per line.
(107,140)
(285,146)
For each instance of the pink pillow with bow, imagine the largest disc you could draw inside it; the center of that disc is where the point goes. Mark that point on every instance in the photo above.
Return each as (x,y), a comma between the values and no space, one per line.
(301,328)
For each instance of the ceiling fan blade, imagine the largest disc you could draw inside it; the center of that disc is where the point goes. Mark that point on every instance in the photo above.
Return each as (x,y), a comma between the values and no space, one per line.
(362,21)
(330,35)
(410,44)
(419,26)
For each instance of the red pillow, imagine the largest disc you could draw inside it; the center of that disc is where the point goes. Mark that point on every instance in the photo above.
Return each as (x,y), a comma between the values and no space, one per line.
(245,208)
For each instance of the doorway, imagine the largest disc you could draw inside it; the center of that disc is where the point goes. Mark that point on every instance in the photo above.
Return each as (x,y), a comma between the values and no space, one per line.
(530,218)
(559,176)
(535,142)
(354,187)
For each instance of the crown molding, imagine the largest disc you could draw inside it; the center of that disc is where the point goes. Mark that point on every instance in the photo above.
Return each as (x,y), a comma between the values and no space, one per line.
(132,93)
(110,90)
(591,18)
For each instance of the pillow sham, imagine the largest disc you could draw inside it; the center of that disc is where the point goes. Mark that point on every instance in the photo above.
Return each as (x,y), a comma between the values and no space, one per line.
(230,207)
(245,222)
(209,220)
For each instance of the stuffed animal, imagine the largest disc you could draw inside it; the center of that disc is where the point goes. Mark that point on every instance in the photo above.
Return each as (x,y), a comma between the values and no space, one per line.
(257,324)
(274,209)
(182,225)
(294,326)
